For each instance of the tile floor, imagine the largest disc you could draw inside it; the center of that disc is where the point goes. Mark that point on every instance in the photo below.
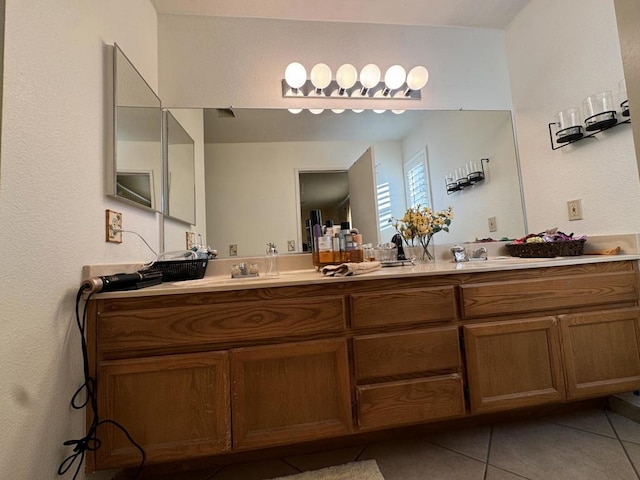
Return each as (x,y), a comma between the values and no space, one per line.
(589,444)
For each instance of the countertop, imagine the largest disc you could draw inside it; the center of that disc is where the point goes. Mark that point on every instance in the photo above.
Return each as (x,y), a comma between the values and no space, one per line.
(215,283)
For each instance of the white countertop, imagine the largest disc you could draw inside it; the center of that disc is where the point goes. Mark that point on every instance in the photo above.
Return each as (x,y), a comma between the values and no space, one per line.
(219,283)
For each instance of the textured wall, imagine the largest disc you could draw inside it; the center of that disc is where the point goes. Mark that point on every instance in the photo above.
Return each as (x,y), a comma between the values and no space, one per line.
(52,204)
(559,53)
(240,62)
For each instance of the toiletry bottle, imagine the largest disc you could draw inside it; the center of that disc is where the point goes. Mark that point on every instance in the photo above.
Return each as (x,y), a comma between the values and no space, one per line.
(271,261)
(325,250)
(345,229)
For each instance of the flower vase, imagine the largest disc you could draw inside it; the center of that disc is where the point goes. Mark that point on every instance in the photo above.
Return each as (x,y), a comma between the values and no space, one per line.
(420,253)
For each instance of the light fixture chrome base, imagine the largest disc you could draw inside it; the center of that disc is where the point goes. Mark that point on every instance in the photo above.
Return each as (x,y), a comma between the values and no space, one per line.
(333,90)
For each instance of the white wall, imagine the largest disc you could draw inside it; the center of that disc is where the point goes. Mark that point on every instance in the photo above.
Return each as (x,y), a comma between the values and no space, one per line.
(560,53)
(52,208)
(240,62)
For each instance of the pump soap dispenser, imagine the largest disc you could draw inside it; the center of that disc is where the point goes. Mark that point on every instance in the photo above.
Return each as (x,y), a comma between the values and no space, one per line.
(271,260)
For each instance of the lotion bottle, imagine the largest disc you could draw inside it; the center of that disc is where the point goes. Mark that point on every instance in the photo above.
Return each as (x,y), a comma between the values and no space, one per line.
(271,260)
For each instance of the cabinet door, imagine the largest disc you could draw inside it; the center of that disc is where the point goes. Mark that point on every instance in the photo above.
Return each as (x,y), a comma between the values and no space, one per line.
(513,364)
(601,353)
(174,406)
(289,393)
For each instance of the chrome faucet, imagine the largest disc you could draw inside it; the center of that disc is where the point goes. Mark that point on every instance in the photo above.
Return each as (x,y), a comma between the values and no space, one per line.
(479,254)
(460,254)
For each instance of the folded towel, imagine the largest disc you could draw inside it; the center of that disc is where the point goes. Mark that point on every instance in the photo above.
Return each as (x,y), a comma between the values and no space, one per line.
(610,251)
(348,269)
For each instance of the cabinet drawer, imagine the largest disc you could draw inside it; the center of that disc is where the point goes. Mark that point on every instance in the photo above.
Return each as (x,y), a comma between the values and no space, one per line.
(417,305)
(548,293)
(220,323)
(404,353)
(410,401)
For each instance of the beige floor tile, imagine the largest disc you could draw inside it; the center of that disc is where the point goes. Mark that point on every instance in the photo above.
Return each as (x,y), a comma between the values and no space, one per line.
(316,461)
(546,451)
(255,471)
(627,429)
(418,459)
(473,442)
(633,450)
(494,473)
(592,420)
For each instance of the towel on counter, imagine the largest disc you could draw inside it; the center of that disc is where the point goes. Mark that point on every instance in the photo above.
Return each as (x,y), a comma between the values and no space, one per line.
(348,269)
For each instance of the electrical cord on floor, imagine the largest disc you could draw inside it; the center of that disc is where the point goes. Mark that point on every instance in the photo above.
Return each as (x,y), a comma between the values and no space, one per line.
(90,442)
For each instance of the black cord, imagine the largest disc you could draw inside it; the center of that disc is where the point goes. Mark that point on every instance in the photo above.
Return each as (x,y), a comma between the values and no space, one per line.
(90,442)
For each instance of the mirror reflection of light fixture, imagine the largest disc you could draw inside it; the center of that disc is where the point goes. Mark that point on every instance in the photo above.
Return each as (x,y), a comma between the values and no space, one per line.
(466,176)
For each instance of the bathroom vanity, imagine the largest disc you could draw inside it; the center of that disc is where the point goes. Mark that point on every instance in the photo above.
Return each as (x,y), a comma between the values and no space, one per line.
(207,368)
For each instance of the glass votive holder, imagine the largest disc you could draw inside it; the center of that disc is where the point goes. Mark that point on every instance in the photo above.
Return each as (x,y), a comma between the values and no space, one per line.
(599,111)
(569,125)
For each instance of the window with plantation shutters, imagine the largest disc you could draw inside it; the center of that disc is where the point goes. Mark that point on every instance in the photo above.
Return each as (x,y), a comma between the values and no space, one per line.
(416,180)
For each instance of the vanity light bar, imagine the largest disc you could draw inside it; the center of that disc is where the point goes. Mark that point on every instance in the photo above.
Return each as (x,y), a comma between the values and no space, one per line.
(369,84)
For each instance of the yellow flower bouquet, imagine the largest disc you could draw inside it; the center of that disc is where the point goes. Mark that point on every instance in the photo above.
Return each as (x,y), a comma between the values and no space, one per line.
(418,226)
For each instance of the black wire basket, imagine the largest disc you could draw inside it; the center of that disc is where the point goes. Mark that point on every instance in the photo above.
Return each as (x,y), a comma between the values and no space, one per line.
(178,270)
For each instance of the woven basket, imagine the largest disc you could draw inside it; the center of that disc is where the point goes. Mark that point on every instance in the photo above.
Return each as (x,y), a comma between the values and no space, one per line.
(567,248)
(177,270)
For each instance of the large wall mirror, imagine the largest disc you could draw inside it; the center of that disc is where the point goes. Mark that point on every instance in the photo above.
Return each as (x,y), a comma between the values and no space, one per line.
(136,175)
(253,159)
(180,195)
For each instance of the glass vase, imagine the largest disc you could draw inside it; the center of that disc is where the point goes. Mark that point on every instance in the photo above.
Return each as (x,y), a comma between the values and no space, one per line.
(420,253)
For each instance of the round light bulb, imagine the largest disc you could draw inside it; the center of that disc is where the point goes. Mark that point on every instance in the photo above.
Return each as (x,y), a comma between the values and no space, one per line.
(369,75)
(295,75)
(346,76)
(295,111)
(398,112)
(316,111)
(378,111)
(417,78)
(321,75)
(357,110)
(337,110)
(394,77)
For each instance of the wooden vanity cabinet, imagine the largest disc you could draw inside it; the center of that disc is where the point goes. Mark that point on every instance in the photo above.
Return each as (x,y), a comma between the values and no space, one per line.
(516,358)
(290,393)
(601,352)
(513,364)
(202,374)
(407,377)
(174,406)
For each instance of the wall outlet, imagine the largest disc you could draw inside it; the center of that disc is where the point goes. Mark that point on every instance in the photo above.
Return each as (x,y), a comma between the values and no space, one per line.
(113,226)
(291,245)
(574,209)
(493,226)
(191,240)
(233,250)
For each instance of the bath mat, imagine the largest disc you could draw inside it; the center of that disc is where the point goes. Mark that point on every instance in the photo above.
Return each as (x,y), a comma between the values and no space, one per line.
(365,470)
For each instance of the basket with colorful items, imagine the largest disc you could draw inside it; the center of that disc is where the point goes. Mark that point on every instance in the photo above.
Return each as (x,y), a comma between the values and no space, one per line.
(550,243)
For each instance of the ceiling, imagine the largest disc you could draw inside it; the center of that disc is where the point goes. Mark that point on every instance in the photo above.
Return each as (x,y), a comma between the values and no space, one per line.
(458,13)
